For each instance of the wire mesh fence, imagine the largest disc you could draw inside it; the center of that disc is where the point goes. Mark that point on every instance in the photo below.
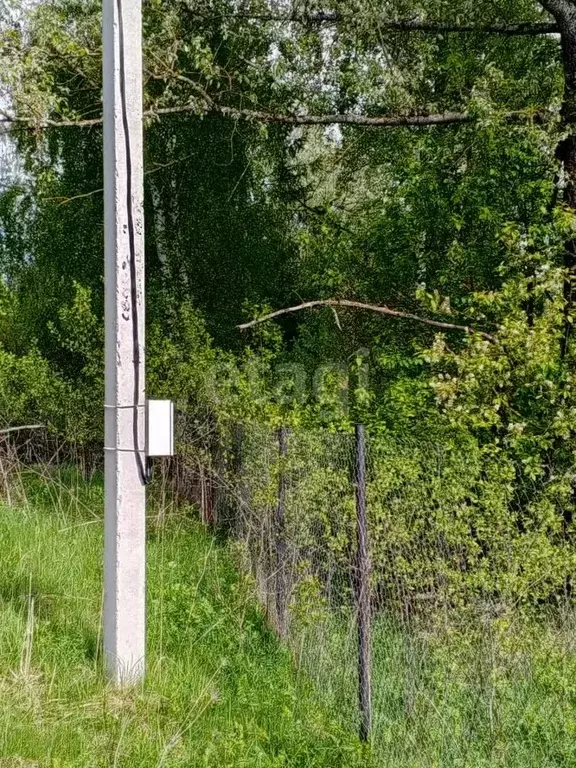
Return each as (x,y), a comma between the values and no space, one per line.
(421,588)
(368,553)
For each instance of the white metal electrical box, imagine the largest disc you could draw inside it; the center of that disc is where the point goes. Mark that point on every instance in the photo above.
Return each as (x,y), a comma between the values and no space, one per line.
(159,428)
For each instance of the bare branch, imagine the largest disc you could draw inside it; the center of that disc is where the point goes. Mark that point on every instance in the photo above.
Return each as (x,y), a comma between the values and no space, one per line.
(382,310)
(510,30)
(21,429)
(259,116)
(382,121)
(65,200)
(410,25)
(30,122)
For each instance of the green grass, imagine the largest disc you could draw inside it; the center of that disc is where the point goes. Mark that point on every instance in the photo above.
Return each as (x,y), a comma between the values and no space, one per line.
(501,694)
(220,689)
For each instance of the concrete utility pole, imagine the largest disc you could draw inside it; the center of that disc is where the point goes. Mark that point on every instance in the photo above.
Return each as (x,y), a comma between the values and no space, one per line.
(125,461)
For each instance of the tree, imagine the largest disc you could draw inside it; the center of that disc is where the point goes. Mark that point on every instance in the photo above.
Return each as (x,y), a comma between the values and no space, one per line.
(461,103)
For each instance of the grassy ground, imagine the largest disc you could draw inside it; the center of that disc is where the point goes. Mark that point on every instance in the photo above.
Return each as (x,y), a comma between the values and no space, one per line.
(502,696)
(220,690)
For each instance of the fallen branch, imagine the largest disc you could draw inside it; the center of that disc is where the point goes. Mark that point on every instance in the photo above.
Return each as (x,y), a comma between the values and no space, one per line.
(382,310)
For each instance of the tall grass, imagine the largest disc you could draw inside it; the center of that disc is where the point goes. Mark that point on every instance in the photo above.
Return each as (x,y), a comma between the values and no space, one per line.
(220,689)
(473,663)
(499,693)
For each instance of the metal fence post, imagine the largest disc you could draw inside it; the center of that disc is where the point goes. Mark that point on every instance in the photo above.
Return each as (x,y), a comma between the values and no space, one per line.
(280,536)
(239,520)
(363,590)
(238,450)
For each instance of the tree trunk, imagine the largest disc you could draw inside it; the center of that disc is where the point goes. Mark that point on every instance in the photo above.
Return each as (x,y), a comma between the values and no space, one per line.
(564,11)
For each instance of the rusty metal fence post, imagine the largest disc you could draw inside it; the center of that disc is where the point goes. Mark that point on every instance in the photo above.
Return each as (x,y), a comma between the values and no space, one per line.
(280,535)
(363,589)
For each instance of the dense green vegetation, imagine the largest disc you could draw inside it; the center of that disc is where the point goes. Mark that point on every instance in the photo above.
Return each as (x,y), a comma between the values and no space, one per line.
(467,222)
(458,698)
(415,156)
(221,690)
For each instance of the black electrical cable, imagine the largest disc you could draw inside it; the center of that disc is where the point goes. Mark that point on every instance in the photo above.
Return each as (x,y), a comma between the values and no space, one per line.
(143,468)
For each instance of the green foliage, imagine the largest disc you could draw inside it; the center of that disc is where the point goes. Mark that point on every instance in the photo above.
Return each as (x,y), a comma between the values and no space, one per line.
(221,690)
(451,527)
(29,391)
(455,223)
(471,493)
(499,695)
